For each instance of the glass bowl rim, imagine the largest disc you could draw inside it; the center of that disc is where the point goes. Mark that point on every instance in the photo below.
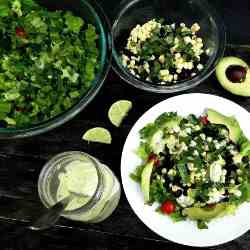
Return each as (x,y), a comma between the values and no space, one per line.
(39,128)
(183,85)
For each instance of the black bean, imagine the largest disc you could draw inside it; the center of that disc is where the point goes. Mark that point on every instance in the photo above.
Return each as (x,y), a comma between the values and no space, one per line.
(162,32)
(185,191)
(178,193)
(3,124)
(245,159)
(226,199)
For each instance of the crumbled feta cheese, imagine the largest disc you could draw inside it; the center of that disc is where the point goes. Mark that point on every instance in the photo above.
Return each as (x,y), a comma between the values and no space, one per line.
(195,27)
(232,181)
(177,56)
(214,196)
(195,153)
(185,201)
(217,145)
(203,136)
(209,139)
(193,143)
(234,190)
(215,171)
(237,193)
(239,171)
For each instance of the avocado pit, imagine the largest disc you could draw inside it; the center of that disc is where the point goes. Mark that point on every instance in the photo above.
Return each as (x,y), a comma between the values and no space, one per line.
(236,73)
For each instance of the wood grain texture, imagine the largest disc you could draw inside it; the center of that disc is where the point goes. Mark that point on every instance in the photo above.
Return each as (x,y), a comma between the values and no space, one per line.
(22,160)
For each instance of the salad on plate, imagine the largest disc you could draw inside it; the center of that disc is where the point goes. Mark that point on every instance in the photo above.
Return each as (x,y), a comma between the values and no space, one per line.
(196,168)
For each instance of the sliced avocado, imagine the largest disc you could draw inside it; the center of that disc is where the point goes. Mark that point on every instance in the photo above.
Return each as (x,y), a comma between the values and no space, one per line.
(235,132)
(145,180)
(206,214)
(157,143)
(234,75)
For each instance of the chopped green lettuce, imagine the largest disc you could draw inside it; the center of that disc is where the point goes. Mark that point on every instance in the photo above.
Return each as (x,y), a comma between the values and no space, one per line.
(4,8)
(73,23)
(48,61)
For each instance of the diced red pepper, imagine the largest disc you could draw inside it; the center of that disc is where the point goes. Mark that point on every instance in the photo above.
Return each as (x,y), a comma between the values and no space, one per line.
(204,120)
(19,109)
(21,32)
(154,157)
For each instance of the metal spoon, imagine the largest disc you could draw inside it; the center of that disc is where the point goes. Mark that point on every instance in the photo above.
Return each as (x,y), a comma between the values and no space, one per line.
(51,216)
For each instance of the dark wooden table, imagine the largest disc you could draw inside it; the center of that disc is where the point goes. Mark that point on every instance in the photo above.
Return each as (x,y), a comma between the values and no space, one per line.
(22,160)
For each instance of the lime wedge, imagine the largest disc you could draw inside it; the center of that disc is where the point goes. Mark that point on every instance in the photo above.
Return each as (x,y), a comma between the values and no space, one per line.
(118,111)
(97,134)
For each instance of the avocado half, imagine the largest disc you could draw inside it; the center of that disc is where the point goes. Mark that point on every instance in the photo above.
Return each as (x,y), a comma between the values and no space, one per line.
(239,82)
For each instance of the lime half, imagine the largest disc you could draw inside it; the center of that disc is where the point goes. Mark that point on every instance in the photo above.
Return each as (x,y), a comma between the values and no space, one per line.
(118,111)
(97,134)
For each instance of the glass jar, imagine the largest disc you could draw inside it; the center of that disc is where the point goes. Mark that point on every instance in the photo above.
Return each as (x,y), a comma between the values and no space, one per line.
(76,173)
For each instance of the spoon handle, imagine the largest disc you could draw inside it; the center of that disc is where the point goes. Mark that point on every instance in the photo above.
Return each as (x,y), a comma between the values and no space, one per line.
(50,217)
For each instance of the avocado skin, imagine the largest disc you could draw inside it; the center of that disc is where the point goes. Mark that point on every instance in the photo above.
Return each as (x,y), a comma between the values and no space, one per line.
(235,132)
(206,214)
(145,180)
(241,88)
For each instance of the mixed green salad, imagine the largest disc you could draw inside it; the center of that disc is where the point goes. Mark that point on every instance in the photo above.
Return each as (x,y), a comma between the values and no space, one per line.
(196,168)
(48,60)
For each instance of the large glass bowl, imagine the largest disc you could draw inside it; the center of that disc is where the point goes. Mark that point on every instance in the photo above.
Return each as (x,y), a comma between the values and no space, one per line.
(133,12)
(92,13)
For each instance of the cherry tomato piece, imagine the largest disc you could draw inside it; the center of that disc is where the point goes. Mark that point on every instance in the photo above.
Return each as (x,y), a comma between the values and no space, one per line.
(168,207)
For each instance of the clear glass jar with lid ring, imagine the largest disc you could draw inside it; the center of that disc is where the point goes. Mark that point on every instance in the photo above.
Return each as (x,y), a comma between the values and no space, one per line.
(101,204)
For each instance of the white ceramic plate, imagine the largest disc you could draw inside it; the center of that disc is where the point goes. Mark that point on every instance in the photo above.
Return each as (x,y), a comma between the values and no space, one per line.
(220,230)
